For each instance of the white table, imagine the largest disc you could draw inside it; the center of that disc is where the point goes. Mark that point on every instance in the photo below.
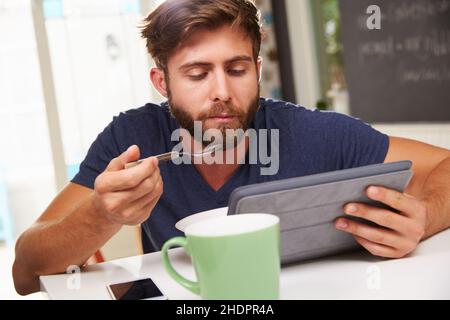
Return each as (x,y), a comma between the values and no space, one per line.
(423,275)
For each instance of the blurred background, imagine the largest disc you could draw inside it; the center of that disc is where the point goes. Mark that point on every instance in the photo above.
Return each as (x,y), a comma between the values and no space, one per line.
(68,66)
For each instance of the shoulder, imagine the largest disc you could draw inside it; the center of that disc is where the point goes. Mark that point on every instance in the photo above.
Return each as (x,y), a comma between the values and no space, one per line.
(140,125)
(149,111)
(287,113)
(150,118)
(279,108)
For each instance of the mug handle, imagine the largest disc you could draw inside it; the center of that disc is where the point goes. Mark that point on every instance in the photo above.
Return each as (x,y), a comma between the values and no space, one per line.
(188,284)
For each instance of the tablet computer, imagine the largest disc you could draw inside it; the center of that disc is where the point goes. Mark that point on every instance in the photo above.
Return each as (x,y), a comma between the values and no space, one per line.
(308,206)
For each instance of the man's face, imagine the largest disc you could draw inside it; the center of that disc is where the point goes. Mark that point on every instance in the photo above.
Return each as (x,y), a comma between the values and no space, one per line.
(213,78)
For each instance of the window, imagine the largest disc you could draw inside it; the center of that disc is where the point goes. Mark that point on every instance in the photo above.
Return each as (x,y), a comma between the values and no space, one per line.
(99,67)
(25,165)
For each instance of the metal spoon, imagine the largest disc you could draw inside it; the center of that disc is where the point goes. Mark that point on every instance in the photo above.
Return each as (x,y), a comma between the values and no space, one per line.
(175,154)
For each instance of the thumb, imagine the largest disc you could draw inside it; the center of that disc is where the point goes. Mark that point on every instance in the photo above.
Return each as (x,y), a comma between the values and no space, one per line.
(131,154)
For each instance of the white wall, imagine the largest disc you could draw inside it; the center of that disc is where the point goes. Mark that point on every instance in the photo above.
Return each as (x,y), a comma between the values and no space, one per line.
(437,134)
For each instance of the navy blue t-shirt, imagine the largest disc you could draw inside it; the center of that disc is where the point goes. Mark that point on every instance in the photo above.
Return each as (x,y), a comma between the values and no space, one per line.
(310,141)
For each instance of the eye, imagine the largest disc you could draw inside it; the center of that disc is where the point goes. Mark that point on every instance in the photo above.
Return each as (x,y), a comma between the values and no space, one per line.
(236,72)
(197,77)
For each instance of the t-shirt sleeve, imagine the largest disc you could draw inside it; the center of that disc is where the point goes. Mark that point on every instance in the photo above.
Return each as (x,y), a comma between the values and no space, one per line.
(354,143)
(100,153)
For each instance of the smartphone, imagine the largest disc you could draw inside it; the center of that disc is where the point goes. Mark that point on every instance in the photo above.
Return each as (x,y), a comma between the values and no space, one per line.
(141,289)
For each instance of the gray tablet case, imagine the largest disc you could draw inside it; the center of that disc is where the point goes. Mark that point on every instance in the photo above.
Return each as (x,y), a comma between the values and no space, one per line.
(307,206)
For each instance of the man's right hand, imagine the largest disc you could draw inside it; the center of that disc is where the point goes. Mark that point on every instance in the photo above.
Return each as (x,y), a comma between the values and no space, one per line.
(127,196)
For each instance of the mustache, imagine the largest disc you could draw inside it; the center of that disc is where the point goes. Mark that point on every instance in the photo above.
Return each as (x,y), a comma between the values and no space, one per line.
(218,109)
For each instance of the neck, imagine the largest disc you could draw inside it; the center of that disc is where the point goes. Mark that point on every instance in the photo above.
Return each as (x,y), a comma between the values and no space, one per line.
(216,175)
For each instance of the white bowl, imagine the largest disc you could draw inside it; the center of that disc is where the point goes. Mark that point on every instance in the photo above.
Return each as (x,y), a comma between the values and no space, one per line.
(201,216)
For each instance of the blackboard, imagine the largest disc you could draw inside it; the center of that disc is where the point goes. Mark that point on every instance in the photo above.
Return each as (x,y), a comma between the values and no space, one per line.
(400,72)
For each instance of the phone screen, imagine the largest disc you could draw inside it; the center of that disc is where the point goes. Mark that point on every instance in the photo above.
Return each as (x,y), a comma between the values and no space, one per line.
(136,290)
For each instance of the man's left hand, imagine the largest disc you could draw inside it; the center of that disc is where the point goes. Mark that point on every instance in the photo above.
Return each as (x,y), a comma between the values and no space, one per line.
(398,234)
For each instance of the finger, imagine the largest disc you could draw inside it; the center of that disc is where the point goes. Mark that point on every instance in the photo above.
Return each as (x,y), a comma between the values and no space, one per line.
(132,177)
(134,212)
(377,235)
(119,200)
(146,186)
(397,200)
(157,192)
(377,249)
(154,195)
(131,154)
(382,217)
(141,208)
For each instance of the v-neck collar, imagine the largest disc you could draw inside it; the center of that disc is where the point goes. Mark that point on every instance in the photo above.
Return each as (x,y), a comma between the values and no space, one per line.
(202,183)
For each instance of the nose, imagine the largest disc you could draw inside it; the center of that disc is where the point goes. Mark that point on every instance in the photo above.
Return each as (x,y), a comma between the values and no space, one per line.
(220,87)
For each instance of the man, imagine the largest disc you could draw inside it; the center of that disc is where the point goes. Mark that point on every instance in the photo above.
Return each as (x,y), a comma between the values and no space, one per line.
(206,53)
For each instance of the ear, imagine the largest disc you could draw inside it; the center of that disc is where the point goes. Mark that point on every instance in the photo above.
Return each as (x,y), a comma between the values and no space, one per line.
(158,80)
(259,67)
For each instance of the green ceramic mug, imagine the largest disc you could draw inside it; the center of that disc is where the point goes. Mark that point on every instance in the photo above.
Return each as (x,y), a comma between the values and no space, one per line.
(234,257)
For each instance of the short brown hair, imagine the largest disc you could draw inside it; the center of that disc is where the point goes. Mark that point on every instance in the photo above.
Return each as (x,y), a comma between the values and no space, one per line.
(173,21)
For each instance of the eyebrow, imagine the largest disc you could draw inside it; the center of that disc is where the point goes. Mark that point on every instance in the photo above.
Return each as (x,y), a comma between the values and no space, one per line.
(238,59)
(203,64)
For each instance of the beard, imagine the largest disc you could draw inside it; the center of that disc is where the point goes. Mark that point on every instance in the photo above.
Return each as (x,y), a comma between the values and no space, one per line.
(243,119)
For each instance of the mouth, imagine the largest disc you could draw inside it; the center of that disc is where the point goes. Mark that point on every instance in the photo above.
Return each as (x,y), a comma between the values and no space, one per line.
(223,117)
